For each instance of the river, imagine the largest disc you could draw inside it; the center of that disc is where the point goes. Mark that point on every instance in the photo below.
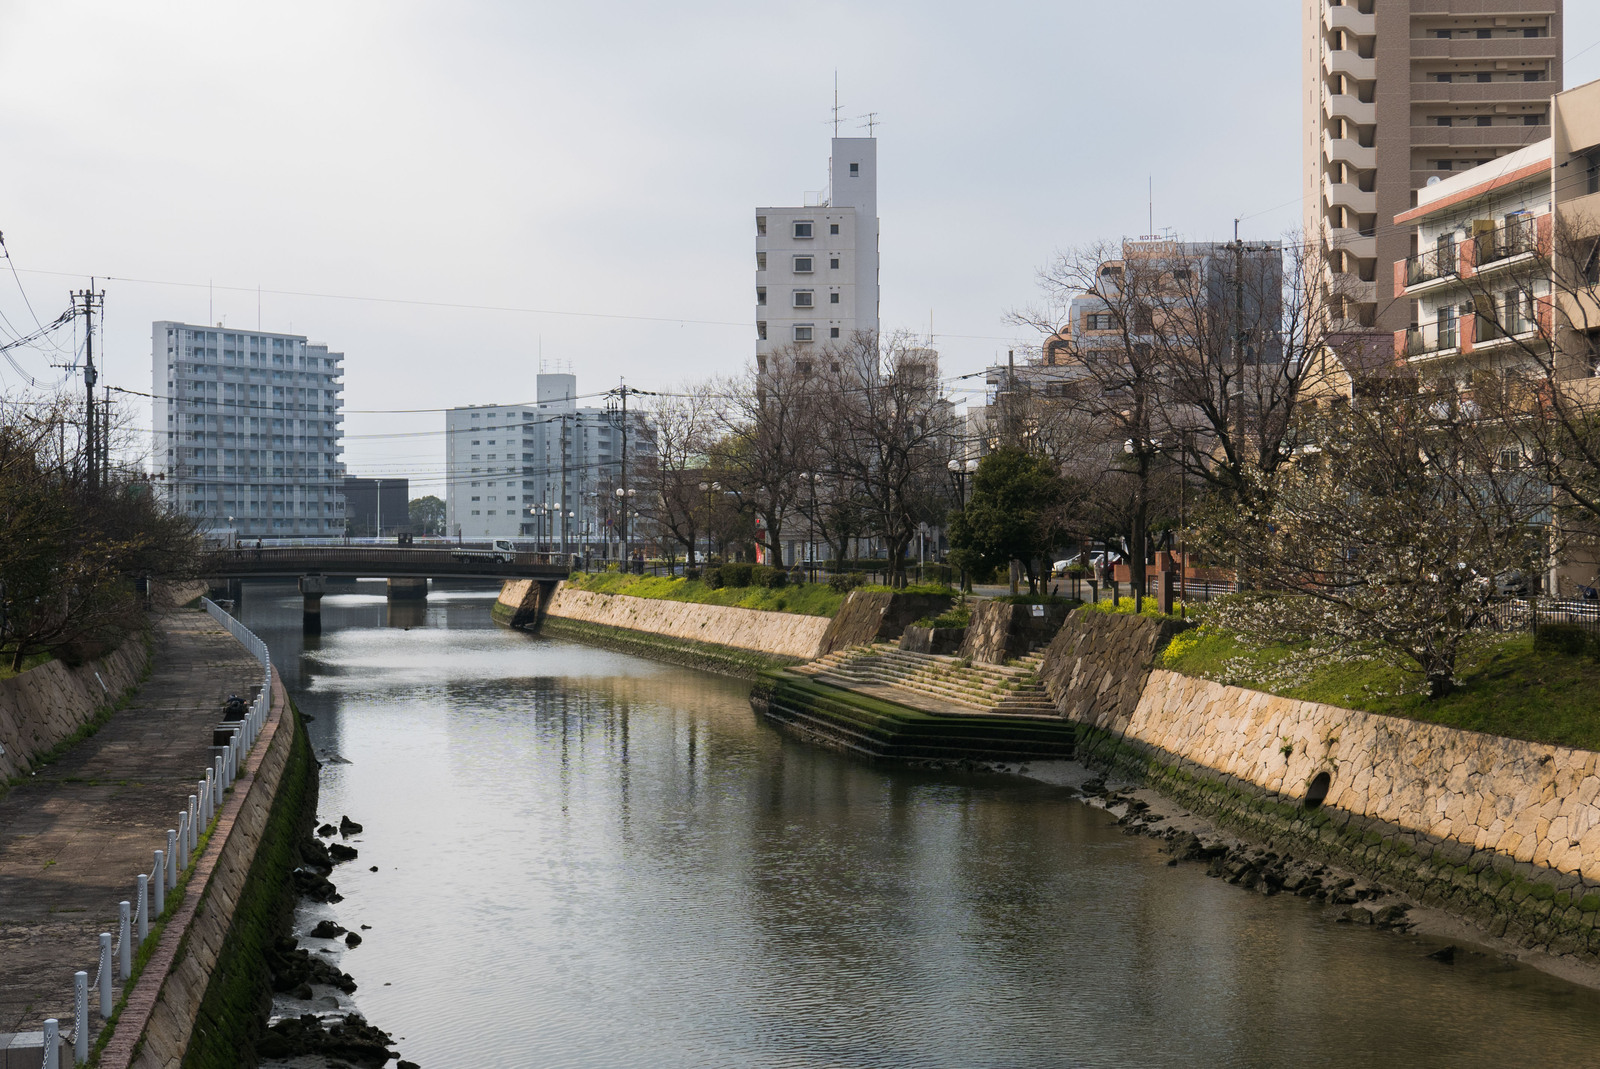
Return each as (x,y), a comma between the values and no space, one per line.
(589,859)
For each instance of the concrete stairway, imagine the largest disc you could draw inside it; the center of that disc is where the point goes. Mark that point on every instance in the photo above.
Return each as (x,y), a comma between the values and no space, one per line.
(1004,690)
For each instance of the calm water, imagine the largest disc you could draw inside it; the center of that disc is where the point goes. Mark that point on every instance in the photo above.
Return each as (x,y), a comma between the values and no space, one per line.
(588,859)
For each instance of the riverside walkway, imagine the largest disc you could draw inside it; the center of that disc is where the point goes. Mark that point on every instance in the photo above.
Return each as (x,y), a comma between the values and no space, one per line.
(74,836)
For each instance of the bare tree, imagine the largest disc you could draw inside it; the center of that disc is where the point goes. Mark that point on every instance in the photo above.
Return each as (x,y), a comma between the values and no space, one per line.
(887,430)
(674,473)
(768,435)
(1200,354)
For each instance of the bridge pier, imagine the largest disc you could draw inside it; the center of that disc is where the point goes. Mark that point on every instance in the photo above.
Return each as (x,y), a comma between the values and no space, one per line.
(408,589)
(312,587)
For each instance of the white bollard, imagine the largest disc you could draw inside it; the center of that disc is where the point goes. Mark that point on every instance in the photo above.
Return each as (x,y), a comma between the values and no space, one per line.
(158,882)
(172,856)
(142,914)
(217,786)
(104,973)
(80,1017)
(209,797)
(52,1043)
(125,940)
(194,828)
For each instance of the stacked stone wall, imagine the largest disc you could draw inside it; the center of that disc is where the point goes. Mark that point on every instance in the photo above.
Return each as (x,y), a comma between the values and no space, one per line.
(1096,667)
(46,704)
(780,634)
(999,631)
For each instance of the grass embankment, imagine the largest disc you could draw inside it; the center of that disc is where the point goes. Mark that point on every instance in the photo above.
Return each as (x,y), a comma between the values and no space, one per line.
(1507,687)
(32,660)
(806,599)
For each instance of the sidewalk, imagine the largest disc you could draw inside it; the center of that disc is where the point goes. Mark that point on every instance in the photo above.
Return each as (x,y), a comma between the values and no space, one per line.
(73,838)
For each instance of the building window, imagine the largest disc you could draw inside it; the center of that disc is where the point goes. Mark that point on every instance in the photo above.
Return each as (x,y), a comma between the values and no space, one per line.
(855,170)
(833,228)
(1533,76)
(802,299)
(833,263)
(1099,321)
(1484,120)
(761,226)
(1533,120)
(1485,76)
(802,229)
(1441,77)
(833,298)
(802,332)
(833,332)
(1443,35)
(761,330)
(802,265)
(761,261)
(761,295)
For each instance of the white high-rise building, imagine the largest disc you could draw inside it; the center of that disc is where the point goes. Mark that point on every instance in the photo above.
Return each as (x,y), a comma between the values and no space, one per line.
(546,472)
(249,429)
(817,265)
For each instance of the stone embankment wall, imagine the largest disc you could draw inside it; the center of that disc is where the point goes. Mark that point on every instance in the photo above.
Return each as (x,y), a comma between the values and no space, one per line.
(519,602)
(1097,665)
(780,634)
(869,616)
(44,705)
(1000,631)
(175,1002)
(1503,831)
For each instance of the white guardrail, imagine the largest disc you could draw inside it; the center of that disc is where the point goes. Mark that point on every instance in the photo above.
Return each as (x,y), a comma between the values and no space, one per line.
(178,858)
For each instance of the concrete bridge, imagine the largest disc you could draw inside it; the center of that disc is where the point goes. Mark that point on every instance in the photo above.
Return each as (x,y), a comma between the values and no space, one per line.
(407,569)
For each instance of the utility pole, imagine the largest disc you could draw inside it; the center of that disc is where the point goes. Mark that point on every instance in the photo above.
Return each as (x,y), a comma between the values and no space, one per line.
(617,410)
(563,433)
(92,444)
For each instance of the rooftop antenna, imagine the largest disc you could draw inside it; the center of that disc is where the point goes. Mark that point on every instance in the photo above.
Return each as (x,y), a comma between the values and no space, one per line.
(872,120)
(1151,191)
(836,102)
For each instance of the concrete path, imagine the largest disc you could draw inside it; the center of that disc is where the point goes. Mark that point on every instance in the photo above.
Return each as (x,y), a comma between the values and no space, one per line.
(73,837)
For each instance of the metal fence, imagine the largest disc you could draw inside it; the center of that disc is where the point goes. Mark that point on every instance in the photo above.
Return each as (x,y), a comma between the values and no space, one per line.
(1512,615)
(136,916)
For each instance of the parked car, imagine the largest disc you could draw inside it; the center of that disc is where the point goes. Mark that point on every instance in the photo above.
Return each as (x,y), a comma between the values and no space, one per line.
(1091,560)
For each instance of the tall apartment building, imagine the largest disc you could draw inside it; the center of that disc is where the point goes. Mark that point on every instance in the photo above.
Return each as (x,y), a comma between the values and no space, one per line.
(817,265)
(249,429)
(547,471)
(1398,93)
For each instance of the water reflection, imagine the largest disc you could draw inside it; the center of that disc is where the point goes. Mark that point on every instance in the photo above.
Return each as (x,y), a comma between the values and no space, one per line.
(586,859)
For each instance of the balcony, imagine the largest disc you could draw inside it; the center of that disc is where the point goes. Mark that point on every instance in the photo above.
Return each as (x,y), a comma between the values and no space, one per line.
(1506,136)
(1472,48)
(1345,17)
(1363,246)
(1348,150)
(1497,247)
(1431,340)
(1345,106)
(1431,266)
(1350,64)
(1481,92)
(1347,195)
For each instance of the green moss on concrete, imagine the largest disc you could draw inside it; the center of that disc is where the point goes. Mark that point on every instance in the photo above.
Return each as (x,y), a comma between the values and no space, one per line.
(849,721)
(238,999)
(707,656)
(1509,898)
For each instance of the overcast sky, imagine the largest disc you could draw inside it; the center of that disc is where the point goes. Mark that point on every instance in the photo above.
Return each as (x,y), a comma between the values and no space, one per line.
(586,174)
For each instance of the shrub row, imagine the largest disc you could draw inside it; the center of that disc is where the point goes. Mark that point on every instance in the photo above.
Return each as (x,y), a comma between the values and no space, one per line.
(742,575)
(1571,639)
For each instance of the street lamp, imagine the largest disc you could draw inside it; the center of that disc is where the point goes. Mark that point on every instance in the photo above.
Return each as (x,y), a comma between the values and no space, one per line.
(622,531)
(960,472)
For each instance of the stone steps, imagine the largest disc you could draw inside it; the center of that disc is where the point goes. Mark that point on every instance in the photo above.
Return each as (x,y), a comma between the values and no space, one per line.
(1011,689)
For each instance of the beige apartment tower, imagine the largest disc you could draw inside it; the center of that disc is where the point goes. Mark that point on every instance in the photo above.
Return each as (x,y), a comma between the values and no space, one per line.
(1401,91)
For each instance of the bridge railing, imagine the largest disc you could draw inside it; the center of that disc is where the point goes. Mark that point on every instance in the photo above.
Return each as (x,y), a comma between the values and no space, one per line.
(300,556)
(177,857)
